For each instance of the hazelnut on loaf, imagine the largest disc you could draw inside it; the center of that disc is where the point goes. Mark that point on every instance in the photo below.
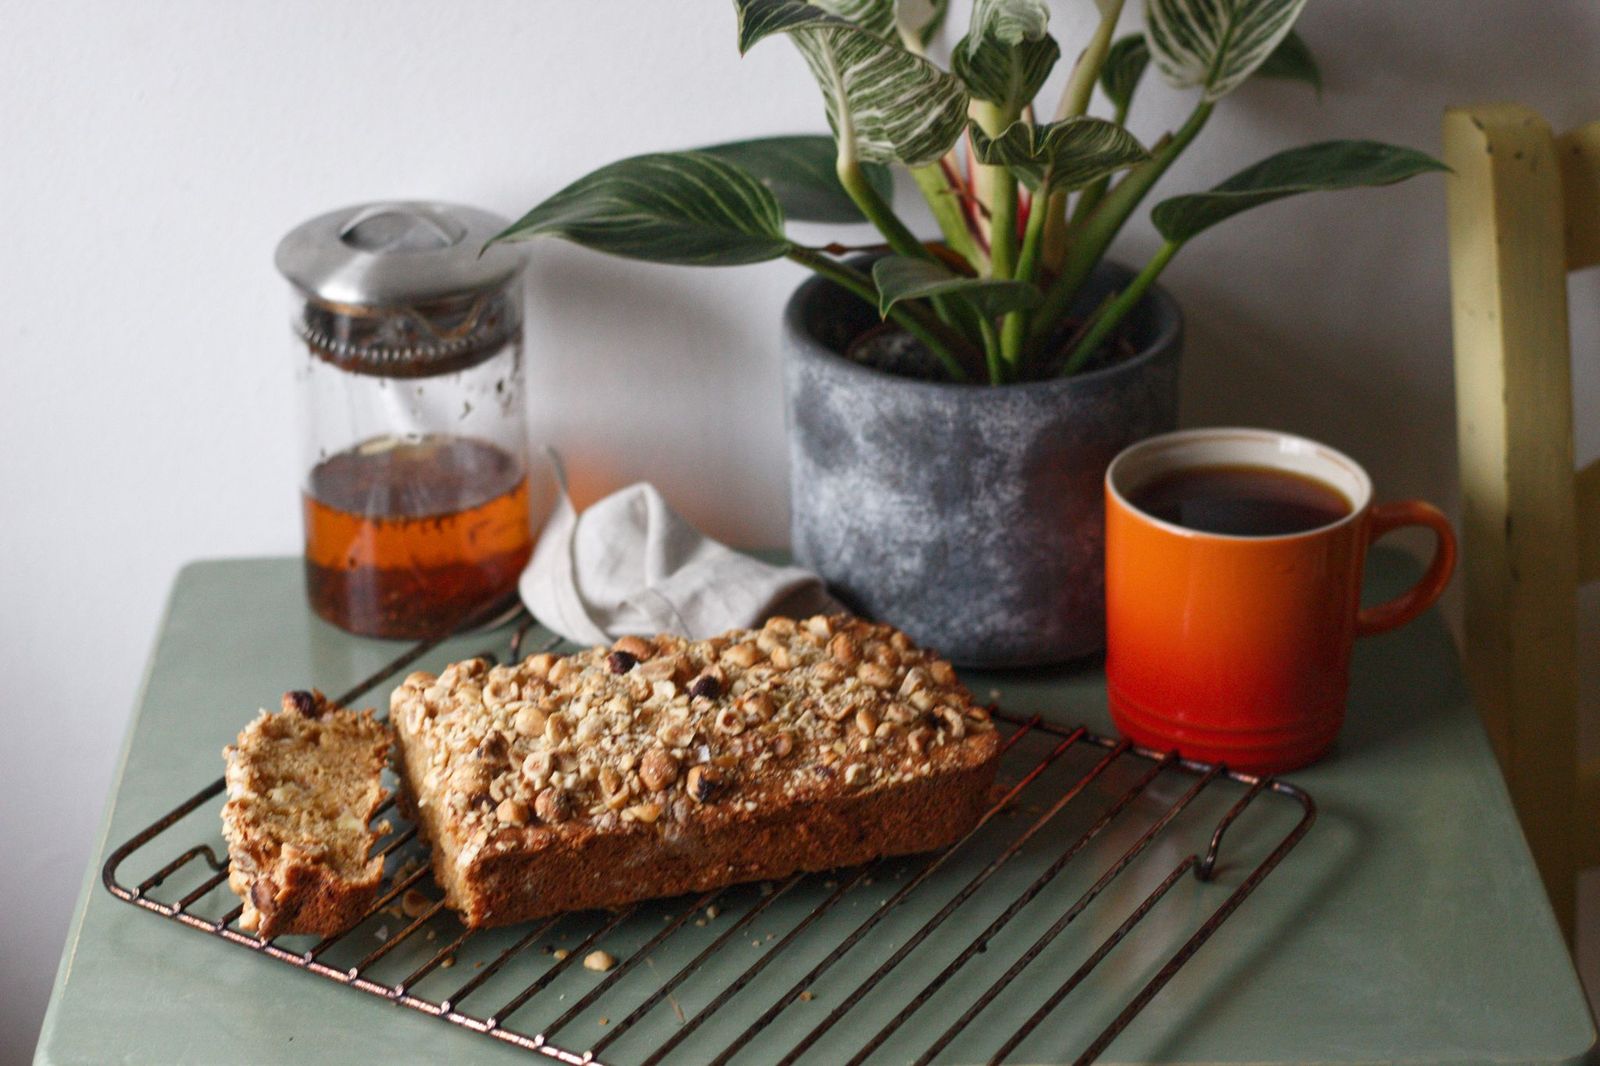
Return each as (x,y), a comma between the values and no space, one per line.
(303,784)
(662,766)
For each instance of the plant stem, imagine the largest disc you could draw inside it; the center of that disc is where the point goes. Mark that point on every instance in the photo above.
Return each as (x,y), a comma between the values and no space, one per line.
(1075,96)
(901,239)
(1001,188)
(991,352)
(947,211)
(1112,313)
(1003,224)
(1086,71)
(1014,329)
(879,213)
(946,344)
(1106,221)
(1055,230)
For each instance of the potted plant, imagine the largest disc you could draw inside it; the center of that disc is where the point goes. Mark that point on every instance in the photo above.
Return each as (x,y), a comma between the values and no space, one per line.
(952,405)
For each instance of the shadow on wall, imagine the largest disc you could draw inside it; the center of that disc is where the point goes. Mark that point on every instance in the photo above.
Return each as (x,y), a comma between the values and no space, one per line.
(1319,382)
(618,350)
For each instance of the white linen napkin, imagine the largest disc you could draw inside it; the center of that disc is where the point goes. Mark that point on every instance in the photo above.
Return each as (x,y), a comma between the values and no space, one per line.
(630,564)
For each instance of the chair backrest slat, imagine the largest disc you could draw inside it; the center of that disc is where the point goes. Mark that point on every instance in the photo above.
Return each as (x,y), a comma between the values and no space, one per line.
(1508,264)
(1588,510)
(1579,155)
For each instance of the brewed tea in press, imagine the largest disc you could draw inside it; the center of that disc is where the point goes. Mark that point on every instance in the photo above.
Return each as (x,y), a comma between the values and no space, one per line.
(415,495)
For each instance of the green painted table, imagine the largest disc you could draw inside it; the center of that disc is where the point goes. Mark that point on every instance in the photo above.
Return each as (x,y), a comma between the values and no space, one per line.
(1408,926)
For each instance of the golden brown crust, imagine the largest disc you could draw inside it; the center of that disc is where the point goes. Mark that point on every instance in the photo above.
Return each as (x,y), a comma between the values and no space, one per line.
(661,766)
(303,784)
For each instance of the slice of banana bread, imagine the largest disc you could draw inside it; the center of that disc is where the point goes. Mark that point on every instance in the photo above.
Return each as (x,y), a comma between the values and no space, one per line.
(303,784)
(657,767)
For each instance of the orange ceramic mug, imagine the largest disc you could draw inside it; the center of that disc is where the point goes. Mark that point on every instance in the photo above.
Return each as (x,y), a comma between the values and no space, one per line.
(1236,648)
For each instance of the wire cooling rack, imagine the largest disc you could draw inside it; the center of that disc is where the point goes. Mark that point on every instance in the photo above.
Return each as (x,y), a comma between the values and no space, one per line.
(1092,849)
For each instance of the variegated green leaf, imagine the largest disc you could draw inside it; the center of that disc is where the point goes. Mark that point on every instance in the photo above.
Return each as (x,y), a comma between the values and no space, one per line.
(1214,45)
(875,15)
(884,104)
(1060,155)
(670,207)
(1313,168)
(1124,68)
(800,172)
(903,20)
(1292,61)
(1010,21)
(1008,53)
(901,278)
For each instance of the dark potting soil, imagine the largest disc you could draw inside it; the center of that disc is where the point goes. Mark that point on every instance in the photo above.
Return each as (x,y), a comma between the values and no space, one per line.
(889,349)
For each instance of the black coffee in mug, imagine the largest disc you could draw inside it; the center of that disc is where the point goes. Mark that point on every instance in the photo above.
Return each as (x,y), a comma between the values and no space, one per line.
(1241,500)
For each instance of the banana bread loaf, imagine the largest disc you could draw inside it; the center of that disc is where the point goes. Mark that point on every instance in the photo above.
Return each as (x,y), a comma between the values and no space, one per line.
(303,784)
(657,767)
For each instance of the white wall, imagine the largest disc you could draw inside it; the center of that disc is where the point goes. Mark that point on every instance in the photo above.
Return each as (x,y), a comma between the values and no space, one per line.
(152,153)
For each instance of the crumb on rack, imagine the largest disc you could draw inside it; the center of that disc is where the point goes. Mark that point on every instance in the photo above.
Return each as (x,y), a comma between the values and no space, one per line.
(415,903)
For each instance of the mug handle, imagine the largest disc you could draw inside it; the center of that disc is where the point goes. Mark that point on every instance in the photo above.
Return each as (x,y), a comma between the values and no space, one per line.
(1387,517)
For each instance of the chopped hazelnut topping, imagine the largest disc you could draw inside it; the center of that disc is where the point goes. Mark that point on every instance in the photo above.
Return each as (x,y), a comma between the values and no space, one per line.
(703,783)
(708,686)
(553,806)
(659,770)
(512,811)
(637,647)
(954,723)
(866,721)
(310,704)
(844,648)
(662,668)
(644,812)
(530,721)
(743,655)
(644,731)
(676,735)
(557,728)
(876,674)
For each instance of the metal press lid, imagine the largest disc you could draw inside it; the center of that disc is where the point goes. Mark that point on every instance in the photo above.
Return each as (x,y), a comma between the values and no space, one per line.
(397,253)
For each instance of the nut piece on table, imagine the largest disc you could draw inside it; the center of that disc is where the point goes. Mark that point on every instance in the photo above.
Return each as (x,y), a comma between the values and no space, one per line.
(599,961)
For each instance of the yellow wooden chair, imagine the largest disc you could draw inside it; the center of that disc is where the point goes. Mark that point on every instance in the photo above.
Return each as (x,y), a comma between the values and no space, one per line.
(1524,208)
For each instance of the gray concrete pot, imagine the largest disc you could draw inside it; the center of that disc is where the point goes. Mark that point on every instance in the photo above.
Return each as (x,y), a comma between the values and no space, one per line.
(969,516)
